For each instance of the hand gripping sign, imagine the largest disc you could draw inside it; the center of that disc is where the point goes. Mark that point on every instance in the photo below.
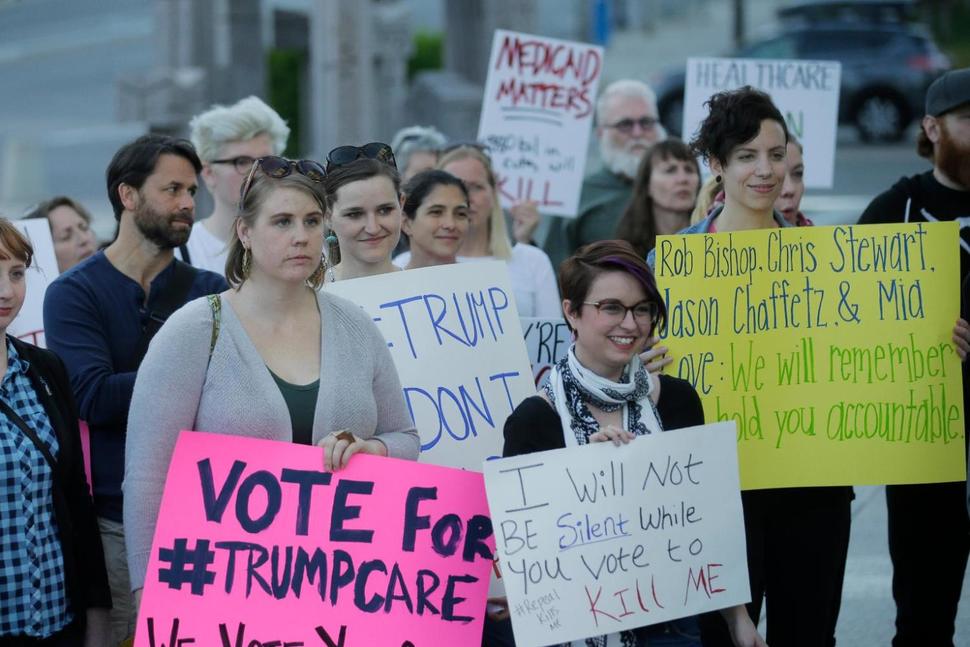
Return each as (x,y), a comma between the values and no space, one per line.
(599,539)
(256,545)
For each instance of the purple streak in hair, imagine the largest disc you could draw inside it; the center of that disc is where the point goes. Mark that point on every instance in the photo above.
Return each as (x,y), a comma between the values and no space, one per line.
(637,272)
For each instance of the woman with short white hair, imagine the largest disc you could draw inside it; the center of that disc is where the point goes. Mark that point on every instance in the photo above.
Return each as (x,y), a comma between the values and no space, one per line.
(228,140)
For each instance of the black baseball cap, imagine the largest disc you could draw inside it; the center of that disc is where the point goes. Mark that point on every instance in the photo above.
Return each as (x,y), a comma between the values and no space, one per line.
(948,92)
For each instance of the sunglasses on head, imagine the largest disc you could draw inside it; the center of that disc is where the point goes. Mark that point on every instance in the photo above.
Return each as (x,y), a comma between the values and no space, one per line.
(481,148)
(279,167)
(342,155)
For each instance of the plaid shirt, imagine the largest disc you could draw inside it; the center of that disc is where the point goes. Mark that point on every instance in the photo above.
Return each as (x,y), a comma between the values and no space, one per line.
(33,600)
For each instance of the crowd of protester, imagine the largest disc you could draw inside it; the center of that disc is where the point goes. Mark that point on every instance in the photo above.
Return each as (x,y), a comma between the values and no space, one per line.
(225,324)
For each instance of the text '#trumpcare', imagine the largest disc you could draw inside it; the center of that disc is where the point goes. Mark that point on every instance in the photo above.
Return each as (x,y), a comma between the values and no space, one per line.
(792,303)
(344,573)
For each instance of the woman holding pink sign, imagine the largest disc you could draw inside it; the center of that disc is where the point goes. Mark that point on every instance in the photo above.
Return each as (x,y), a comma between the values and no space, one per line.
(273,357)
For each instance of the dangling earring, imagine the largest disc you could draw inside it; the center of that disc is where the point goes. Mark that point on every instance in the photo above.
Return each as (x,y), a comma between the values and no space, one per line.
(331,239)
(247,263)
(717,179)
(316,279)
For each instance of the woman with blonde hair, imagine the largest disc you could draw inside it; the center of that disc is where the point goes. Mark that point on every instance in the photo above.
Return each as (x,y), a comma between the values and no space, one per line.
(272,357)
(531,272)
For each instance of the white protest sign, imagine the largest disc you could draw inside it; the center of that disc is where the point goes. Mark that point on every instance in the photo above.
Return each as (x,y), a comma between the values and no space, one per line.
(29,324)
(547,341)
(806,93)
(453,331)
(598,539)
(537,113)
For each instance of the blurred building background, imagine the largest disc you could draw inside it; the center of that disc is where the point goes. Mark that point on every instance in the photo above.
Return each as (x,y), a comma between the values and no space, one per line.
(80,77)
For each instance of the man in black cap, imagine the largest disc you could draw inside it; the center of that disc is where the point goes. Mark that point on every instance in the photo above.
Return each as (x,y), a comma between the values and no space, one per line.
(929,532)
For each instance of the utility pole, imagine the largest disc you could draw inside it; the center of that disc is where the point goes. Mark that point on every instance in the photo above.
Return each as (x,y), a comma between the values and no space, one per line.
(738,23)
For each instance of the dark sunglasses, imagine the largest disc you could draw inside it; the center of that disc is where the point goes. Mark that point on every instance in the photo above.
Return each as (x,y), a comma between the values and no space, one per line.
(342,155)
(279,167)
(625,126)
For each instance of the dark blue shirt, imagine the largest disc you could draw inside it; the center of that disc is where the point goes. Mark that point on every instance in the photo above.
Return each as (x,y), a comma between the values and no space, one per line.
(93,318)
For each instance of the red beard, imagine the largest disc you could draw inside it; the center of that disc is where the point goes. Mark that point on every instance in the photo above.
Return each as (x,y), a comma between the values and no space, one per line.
(953,157)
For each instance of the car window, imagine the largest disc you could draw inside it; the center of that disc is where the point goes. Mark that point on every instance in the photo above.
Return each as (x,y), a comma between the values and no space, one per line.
(842,43)
(781,47)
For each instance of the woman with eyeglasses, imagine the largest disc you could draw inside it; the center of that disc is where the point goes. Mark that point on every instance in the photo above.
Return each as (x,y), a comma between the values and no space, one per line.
(531,273)
(363,214)
(601,392)
(435,218)
(272,357)
(797,538)
(70,225)
(53,583)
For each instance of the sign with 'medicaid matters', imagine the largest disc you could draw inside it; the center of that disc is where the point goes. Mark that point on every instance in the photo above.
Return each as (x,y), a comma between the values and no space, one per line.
(537,114)
(598,539)
(257,545)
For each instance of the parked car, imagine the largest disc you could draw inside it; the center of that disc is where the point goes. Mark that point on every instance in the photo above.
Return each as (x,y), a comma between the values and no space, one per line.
(886,68)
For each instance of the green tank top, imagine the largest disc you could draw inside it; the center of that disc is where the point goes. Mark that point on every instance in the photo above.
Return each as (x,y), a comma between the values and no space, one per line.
(301,400)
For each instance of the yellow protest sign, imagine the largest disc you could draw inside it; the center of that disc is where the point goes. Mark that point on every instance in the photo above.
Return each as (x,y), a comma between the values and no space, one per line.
(829,346)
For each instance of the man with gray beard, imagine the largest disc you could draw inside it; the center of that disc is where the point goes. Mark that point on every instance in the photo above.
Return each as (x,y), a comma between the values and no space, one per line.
(100,315)
(627,125)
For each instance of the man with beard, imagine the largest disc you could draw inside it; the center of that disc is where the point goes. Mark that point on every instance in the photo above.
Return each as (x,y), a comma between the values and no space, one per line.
(929,532)
(627,125)
(100,315)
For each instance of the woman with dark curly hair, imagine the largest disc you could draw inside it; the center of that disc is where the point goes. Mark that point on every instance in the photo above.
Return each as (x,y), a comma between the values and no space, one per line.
(663,195)
(797,538)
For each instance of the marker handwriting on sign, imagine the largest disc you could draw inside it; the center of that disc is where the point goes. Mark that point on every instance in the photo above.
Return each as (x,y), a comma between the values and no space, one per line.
(575,69)
(596,539)
(466,319)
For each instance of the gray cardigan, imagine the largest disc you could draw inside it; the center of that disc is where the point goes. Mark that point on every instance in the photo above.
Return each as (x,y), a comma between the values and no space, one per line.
(236,395)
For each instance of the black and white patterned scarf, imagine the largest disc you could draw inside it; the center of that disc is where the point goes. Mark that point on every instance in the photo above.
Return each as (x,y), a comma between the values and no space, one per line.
(571,389)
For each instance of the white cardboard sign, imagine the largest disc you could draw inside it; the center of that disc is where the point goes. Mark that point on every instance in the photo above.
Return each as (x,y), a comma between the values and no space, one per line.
(547,341)
(806,93)
(537,113)
(453,331)
(598,539)
(29,324)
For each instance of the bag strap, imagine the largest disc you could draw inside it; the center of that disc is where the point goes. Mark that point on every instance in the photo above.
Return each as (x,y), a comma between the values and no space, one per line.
(215,303)
(30,433)
(170,300)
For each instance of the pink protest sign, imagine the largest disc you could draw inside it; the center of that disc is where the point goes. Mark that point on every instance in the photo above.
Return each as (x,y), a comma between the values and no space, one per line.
(257,546)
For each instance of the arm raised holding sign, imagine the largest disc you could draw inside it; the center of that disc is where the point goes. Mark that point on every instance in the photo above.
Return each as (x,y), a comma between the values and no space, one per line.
(270,358)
